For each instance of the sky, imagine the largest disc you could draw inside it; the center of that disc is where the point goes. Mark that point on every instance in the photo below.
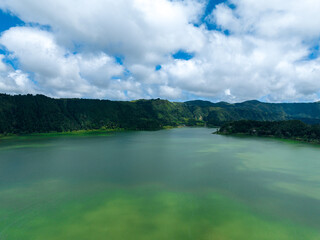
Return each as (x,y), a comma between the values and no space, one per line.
(180,50)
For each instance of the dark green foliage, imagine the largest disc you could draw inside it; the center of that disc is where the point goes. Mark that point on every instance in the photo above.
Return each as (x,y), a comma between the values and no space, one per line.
(200,103)
(292,129)
(222,112)
(29,114)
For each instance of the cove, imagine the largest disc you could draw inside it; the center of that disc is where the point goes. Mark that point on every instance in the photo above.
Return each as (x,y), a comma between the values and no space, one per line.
(183,183)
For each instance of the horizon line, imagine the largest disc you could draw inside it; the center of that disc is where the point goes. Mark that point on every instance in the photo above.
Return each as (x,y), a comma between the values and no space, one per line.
(150,99)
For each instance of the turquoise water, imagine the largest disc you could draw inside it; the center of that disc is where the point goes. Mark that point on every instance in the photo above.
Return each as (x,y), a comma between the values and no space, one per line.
(182,183)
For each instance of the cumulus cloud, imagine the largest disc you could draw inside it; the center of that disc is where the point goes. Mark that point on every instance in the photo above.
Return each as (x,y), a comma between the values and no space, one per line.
(279,37)
(248,67)
(57,71)
(141,30)
(170,92)
(274,19)
(14,81)
(260,49)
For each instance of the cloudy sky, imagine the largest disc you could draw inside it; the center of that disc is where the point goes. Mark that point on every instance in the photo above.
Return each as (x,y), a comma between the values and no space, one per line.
(232,50)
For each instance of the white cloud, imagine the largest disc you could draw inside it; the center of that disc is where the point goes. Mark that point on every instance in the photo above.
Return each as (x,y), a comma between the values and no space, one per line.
(15,82)
(273,18)
(265,55)
(142,30)
(3,66)
(169,92)
(57,71)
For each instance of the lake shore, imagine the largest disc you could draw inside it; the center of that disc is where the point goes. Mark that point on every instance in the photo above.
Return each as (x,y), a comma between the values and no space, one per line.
(294,130)
(77,133)
(293,140)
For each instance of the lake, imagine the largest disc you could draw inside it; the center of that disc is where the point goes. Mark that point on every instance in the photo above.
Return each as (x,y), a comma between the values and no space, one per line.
(183,183)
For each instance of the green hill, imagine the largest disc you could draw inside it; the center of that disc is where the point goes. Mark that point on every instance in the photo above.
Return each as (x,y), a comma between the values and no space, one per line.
(291,129)
(30,114)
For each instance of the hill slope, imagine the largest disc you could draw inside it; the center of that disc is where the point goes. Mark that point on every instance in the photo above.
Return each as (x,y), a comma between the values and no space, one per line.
(291,129)
(28,113)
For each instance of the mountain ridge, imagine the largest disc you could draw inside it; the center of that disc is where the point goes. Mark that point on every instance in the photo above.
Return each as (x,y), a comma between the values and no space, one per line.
(38,113)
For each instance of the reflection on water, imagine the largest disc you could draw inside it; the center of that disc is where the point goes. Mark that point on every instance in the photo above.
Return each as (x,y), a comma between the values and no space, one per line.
(174,184)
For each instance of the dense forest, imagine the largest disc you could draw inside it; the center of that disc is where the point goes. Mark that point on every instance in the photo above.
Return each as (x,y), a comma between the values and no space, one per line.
(37,113)
(292,129)
(222,112)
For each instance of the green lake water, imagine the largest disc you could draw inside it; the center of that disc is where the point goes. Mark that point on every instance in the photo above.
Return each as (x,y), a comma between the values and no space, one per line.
(174,184)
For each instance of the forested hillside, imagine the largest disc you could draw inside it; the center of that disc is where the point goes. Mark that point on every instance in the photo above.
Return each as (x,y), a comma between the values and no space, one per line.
(292,129)
(219,113)
(29,114)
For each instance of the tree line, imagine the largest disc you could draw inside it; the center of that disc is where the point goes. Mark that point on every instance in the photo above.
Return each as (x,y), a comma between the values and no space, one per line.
(21,114)
(292,129)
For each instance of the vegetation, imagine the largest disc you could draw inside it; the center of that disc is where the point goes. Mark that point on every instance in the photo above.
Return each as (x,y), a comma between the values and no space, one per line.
(24,114)
(293,129)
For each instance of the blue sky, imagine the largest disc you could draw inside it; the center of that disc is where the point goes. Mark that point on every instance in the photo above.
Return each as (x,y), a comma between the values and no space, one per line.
(8,20)
(178,50)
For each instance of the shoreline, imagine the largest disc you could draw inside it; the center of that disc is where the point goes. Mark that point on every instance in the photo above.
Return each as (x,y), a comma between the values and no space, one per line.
(77,133)
(283,139)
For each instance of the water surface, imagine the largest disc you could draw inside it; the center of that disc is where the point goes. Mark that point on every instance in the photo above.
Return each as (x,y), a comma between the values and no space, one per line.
(173,184)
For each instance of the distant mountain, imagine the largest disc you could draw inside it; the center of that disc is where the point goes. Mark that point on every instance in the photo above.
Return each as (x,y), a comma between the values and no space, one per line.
(255,110)
(29,114)
(200,103)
